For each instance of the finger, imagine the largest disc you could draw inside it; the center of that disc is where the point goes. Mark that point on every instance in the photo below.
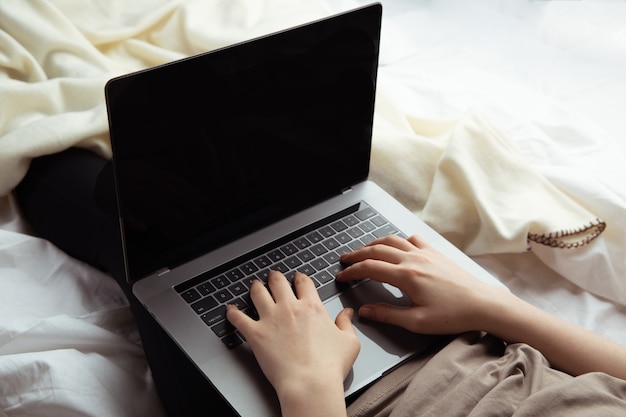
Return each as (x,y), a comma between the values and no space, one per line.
(261,297)
(393,241)
(305,287)
(344,320)
(377,270)
(418,242)
(280,287)
(379,252)
(237,318)
(385,313)
(389,248)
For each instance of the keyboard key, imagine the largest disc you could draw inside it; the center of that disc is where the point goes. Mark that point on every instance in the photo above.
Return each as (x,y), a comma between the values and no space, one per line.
(214,316)
(290,275)
(204,305)
(307,269)
(355,244)
(378,221)
(240,302)
(330,289)
(220,282)
(263,274)
(293,261)
(248,280)
(238,288)
(350,220)
(205,288)
(276,255)
(319,264)
(232,340)
(249,268)
(223,328)
(367,226)
(343,249)
(302,243)
(323,277)
(355,232)
(280,267)
(367,239)
(289,249)
(191,295)
(318,249)
(335,269)
(326,231)
(385,231)
(223,295)
(343,238)
(262,262)
(330,243)
(332,257)
(245,297)
(365,213)
(314,237)
(234,275)
(338,226)
(251,312)
(306,255)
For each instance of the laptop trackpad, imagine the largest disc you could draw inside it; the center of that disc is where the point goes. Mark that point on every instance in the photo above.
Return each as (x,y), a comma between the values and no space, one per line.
(383,346)
(393,339)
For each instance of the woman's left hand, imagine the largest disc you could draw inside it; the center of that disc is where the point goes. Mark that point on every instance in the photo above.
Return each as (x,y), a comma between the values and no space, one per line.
(298,346)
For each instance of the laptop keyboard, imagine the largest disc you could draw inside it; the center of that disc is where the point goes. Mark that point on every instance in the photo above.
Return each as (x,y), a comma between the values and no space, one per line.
(314,251)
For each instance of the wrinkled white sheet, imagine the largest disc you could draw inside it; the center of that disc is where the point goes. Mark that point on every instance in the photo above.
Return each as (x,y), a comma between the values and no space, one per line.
(548,74)
(68,342)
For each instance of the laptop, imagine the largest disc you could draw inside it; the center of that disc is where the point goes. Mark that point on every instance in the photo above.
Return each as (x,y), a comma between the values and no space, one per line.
(256,157)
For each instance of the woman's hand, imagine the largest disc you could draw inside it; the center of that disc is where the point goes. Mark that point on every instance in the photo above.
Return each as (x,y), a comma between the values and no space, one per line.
(304,354)
(445,299)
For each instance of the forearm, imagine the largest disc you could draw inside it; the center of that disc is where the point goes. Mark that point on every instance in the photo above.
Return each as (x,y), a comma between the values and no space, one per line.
(567,347)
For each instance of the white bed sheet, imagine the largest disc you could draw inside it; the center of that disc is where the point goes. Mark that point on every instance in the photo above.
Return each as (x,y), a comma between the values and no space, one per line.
(548,73)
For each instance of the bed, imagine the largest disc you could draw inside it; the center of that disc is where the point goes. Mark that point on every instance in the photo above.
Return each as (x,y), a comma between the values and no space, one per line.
(527,95)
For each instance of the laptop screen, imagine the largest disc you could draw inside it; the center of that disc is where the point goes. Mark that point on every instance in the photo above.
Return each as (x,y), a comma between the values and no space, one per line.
(210,148)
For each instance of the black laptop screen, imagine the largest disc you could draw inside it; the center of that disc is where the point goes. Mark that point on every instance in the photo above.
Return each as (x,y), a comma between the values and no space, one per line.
(210,148)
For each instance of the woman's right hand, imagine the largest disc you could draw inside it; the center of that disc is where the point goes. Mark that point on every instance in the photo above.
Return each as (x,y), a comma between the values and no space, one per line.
(445,299)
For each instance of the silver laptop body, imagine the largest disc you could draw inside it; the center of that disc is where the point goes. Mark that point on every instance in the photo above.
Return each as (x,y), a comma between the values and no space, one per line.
(225,158)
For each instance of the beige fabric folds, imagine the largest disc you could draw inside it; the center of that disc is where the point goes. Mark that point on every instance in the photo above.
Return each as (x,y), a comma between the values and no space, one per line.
(471,184)
(479,375)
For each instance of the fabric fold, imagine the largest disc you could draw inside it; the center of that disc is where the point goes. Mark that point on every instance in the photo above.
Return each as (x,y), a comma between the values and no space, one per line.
(469,182)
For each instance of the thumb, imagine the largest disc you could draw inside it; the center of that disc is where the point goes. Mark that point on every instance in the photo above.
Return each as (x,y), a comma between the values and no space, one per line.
(386,313)
(344,319)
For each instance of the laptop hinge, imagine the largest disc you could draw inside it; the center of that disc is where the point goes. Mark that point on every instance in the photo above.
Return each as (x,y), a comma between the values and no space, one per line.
(162,272)
(346,190)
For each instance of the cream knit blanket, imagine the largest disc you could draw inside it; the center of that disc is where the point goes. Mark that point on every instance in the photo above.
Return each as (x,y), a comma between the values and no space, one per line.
(463,177)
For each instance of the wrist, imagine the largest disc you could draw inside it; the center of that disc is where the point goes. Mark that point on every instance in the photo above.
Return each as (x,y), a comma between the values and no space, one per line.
(498,309)
(312,396)
(515,320)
